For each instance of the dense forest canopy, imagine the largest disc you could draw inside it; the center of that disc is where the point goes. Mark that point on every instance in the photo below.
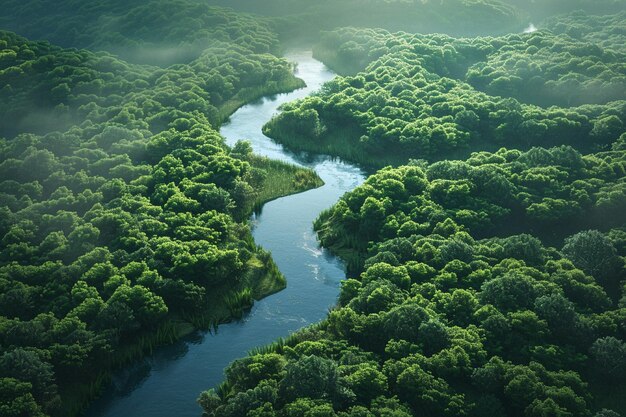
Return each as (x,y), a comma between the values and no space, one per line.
(492,285)
(433,96)
(154,31)
(48,88)
(486,265)
(121,207)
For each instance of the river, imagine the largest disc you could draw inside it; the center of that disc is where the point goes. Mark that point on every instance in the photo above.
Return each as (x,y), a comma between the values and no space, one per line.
(167,383)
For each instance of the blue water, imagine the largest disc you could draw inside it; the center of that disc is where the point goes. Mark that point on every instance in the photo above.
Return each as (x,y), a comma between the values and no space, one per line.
(167,383)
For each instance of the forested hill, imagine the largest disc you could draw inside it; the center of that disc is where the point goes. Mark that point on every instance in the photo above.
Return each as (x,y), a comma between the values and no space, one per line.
(458,17)
(122,212)
(154,31)
(437,97)
(454,17)
(45,87)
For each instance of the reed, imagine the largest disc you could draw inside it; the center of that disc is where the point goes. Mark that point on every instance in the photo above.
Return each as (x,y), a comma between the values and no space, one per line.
(251,94)
(238,302)
(341,141)
(224,390)
(278,345)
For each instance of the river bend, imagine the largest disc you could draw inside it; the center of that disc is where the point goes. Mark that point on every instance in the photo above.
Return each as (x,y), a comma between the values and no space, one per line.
(167,383)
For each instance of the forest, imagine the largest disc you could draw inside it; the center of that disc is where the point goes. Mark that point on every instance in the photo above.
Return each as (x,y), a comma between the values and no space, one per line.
(485,253)
(432,96)
(123,213)
(489,285)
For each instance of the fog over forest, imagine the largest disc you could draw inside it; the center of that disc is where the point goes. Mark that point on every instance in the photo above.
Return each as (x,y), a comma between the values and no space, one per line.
(484,250)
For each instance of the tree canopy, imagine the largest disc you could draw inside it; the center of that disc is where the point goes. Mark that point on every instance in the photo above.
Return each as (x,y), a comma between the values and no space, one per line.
(435,97)
(123,211)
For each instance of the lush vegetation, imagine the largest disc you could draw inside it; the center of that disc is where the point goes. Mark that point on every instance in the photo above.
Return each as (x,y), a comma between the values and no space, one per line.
(603,30)
(544,8)
(155,31)
(454,326)
(302,18)
(123,214)
(47,88)
(443,320)
(547,192)
(492,285)
(436,97)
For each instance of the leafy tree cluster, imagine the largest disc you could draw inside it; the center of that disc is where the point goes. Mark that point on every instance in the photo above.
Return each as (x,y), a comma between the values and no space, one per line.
(418,96)
(46,88)
(155,31)
(547,69)
(120,209)
(602,30)
(548,192)
(446,325)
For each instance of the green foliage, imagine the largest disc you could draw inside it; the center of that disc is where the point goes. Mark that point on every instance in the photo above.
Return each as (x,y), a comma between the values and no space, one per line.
(443,317)
(490,193)
(154,32)
(594,253)
(121,206)
(433,96)
(504,338)
(299,18)
(140,99)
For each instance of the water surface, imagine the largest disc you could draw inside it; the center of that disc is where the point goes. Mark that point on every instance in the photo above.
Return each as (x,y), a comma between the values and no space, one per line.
(167,383)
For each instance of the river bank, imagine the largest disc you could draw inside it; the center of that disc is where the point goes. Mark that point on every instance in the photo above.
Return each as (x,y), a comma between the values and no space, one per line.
(168,381)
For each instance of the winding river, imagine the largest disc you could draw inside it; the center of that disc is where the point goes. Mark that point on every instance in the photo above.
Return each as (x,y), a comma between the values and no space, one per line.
(167,383)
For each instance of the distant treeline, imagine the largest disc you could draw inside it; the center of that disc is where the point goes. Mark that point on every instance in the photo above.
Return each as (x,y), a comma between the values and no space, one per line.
(457,17)
(453,17)
(153,32)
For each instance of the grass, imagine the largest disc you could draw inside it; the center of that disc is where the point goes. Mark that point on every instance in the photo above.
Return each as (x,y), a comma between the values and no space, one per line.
(250,94)
(338,141)
(77,395)
(238,302)
(281,180)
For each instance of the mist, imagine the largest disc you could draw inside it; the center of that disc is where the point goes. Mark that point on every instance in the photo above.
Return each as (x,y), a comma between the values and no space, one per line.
(449,175)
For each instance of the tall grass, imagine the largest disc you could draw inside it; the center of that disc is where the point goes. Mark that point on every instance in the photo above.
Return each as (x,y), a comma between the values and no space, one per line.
(278,345)
(224,390)
(282,179)
(238,302)
(250,94)
(77,395)
(340,141)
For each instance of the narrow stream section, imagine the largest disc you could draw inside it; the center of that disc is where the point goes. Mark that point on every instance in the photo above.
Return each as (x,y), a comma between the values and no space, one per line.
(167,383)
